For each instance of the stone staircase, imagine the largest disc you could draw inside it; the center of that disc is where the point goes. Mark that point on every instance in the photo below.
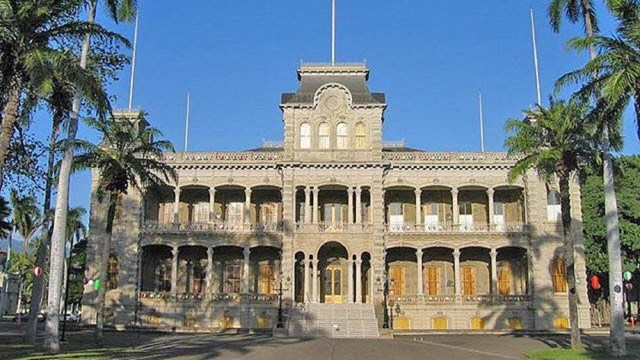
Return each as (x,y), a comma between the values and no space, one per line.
(333,321)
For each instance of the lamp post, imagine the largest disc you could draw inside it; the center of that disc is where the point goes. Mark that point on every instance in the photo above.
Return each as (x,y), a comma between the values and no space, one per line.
(280,324)
(385,293)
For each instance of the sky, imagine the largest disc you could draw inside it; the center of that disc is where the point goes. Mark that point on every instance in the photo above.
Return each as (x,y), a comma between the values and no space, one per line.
(430,58)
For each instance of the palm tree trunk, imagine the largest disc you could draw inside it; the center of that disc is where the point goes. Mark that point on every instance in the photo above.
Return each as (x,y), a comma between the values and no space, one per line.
(41,255)
(19,304)
(114,204)
(58,240)
(10,112)
(617,343)
(570,258)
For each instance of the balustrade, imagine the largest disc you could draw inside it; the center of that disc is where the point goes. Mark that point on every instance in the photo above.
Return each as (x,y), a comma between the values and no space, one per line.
(446,227)
(210,227)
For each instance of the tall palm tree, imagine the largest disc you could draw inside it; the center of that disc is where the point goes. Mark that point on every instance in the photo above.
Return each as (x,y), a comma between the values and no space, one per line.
(26,217)
(5,232)
(556,142)
(119,10)
(127,158)
(584,11)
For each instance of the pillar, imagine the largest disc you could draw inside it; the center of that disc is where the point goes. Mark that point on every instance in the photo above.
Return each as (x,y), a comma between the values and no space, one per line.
(420,272)
(359,281)
(350,205)
(491,209)
(212,202)
(314,281)
(494,272)
(418,193)
(209,270)
(456,269)
(247,206)
(454,201)
(350,282)
(358,205)
(245,270)
(174,270)
(176,205)
(316,207)
(306,262)
(307,205)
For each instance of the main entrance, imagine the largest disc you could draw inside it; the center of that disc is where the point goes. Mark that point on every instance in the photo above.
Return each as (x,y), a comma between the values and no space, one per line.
(334,269)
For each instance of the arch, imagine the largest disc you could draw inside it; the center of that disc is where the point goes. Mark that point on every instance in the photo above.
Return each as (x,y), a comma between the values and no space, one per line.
(561,322)
(440,322)
(324,136)
(401,322)
(342,136)
(156,266)
(305,135)
(112,272)
(337,86)
(332,243)
(333,265)
(477,323)
(360,136)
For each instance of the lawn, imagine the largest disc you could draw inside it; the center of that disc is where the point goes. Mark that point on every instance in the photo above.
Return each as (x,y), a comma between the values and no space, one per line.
(94,354)
(580,354)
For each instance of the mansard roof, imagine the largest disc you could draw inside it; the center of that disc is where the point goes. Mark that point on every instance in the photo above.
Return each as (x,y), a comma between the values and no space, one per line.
(352,76)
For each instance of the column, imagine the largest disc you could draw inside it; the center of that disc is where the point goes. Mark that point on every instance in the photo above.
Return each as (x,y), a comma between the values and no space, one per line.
(454,198)
(456,269)
(490,197)
(247,206)
(306,262)
(418,193)
(358,281)
(316,207)
(358,205)
(314,281)
(307,205)
(209,270)
(176,205)
(494,272)
(174,270)
(212,202)
(245,270)
(420,272)
(350,205)
(350,282)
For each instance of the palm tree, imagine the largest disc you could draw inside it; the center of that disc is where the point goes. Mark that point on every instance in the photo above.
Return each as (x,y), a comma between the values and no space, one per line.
(5,232)
(127,158)
(556,142)
(119,10)
(584,11)
(26,217)
(30,31)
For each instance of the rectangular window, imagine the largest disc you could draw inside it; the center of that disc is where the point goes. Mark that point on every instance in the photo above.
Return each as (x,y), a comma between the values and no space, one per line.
(167,213)
(468,280)
(396,217)
(235,213)
(201,212)
(553,206)
(396,280)
(232,278)
(266,279)
(433,280)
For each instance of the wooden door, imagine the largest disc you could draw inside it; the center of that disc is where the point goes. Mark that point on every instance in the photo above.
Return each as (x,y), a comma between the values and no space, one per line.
(396,279)
(433,280)
(504,281)
(333,284)
(266,279)
(468,280)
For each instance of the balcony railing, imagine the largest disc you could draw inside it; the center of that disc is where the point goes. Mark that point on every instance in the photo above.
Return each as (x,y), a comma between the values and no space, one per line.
(449,157)
(446,299)
(332,227)
(226,157)
(445,227)
(218,297)
(210,227)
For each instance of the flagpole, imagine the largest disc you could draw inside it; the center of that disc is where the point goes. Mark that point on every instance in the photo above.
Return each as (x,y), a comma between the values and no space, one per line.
(481,121)
(333,32)
(133,62)
(535,57)
(186,126)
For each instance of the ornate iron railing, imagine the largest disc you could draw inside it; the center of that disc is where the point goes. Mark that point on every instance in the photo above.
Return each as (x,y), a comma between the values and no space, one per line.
(449,157)
(446,227)
(224,157)
(151,226)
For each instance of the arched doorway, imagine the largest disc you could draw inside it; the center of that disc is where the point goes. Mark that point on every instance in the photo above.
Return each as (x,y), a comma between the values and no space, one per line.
(334,268)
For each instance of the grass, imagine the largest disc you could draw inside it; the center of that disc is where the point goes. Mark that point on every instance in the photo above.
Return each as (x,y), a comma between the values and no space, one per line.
(579,354)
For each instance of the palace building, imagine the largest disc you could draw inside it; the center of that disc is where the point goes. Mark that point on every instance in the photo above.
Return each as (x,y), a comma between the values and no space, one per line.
(346,234)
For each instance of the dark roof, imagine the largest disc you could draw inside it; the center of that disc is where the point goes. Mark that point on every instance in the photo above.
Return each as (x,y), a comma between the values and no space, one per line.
(355,82)
(266,149)
(400,149)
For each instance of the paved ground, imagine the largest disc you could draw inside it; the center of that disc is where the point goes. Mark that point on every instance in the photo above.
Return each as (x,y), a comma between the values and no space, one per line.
(263,347)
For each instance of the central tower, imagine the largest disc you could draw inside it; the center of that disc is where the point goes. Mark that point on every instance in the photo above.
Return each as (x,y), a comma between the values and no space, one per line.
(333,116)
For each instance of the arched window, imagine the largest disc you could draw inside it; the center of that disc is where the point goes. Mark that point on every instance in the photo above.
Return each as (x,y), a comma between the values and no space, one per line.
(361,136)
(342,136)
(323,136)
(553,205)
(112,272)
(559,275)
(305,136)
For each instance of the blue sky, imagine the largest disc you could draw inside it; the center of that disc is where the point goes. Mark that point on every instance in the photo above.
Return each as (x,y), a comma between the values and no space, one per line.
(429,57)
